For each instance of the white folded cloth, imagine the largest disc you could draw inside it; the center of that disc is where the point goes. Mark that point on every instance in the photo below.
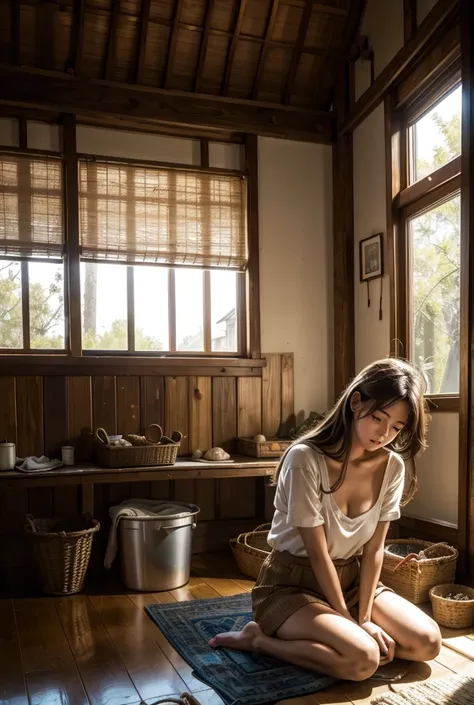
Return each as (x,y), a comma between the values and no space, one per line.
(137,508)
(34,464)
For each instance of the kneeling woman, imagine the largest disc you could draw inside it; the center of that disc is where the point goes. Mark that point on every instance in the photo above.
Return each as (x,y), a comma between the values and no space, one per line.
(318,602)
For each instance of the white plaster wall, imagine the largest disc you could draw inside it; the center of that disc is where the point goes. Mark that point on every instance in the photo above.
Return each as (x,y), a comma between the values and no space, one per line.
(372,336)
(383,25)
(437,468)
(423,8)
(296,271)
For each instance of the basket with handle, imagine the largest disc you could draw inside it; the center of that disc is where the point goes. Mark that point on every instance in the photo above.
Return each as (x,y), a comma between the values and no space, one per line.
(250,549)
(62,551)
(159,449)
(412,576)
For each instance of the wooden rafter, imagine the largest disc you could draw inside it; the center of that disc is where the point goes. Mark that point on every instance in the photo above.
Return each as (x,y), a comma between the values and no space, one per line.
(297,51)
(263,54)
(77,38)
(145,16)
(15,32)
(54,90)
(233,47)
(112,41)
(203,48)
(173,42)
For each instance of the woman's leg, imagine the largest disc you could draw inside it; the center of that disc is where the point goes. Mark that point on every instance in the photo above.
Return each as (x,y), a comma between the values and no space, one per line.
(416,635)
(315,637)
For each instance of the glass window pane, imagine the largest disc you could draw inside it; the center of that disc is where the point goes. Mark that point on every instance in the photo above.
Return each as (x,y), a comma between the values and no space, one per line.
(223,311)
(104,306)
(436,137)
(46,286)
(435,295)
(189,309)
(11,321)
(151,308)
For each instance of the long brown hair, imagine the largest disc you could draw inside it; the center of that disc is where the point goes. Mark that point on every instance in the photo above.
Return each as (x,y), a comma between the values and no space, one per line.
(382,383)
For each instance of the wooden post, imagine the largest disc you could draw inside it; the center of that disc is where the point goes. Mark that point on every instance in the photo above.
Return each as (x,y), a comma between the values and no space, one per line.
(466,412)
(343,245)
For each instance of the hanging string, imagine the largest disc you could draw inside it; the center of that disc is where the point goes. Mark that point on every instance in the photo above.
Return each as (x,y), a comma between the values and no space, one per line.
(381,298)
(368,294)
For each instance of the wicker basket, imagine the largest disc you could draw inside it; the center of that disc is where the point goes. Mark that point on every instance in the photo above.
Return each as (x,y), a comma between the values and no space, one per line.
(456,614)
(164,452)
(62,551)
(250,549)
(413,577)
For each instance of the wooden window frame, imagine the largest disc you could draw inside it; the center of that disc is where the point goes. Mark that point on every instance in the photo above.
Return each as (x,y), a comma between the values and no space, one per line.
(405,201)
(248,354)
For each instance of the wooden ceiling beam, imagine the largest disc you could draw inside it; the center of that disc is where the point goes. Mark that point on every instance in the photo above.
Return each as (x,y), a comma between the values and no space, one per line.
(233,47)
(112,41)
(58,91)
(203,48)
(144,19)
(298,50)
(15,31)
(409,19)
(263,54)
(173,42)
(77,38)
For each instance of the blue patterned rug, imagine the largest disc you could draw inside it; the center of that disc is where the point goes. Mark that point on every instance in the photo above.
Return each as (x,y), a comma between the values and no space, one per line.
(240,677)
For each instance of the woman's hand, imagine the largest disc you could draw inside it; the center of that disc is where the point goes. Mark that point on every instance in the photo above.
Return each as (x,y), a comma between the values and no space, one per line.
(385,642)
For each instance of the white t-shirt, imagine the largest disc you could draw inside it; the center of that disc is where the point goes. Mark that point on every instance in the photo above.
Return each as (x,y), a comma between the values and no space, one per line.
(300,502)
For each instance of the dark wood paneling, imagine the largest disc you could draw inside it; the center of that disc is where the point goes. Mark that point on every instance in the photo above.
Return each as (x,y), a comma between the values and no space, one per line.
(128,405)
(104,404)
(80,415)
(271,395)
(224,413)
(8,409)
(55,415)
(253,287)
(249,404)
(152,397)
(177,409)
(29,399)
(200,413)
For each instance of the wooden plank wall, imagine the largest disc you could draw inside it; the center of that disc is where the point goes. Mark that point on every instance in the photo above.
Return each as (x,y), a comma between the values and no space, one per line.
(42,413)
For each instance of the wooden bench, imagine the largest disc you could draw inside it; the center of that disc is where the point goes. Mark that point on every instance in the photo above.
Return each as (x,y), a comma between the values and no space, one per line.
(87,475)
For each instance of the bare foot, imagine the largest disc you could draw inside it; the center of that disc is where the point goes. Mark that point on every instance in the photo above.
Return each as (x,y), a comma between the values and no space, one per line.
(242,641)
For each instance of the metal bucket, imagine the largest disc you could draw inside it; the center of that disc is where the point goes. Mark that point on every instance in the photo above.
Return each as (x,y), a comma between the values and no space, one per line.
(156,550)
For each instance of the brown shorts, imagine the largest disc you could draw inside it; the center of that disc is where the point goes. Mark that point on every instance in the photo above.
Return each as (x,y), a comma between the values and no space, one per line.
(286,583)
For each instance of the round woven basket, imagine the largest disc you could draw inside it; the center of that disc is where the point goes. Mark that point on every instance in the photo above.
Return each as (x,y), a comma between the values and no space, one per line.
(62,551)
(250,549)
(456,614)
(417,566)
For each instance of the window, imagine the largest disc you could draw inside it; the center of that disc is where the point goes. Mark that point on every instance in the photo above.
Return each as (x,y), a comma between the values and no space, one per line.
(32,313)
(429,246)
(163,259)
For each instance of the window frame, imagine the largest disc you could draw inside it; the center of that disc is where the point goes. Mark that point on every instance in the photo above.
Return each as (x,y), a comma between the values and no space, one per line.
(247,299)
(409,200)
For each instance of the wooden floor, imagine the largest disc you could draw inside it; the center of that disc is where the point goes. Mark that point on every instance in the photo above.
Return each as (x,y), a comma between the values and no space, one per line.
(100,648)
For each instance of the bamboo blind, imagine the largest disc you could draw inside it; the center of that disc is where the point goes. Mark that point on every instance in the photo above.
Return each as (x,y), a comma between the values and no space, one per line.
(167,216)
(31,206)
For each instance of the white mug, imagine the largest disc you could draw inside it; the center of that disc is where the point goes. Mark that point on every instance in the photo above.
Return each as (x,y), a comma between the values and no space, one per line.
(67,455)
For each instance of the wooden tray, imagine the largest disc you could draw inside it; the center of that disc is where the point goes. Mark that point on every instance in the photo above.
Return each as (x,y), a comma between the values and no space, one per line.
(271,448)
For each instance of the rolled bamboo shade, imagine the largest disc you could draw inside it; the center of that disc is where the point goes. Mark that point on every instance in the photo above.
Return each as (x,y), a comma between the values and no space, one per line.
(167,216)
(31,206)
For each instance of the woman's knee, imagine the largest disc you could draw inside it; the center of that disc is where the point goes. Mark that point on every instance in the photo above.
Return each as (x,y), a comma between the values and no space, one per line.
(361,661)
(426,644)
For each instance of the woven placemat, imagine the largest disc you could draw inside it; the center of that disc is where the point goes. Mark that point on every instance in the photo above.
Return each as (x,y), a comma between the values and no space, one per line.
(455,690)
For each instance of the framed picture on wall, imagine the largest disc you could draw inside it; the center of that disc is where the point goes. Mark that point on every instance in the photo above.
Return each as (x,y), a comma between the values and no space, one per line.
(371,257)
